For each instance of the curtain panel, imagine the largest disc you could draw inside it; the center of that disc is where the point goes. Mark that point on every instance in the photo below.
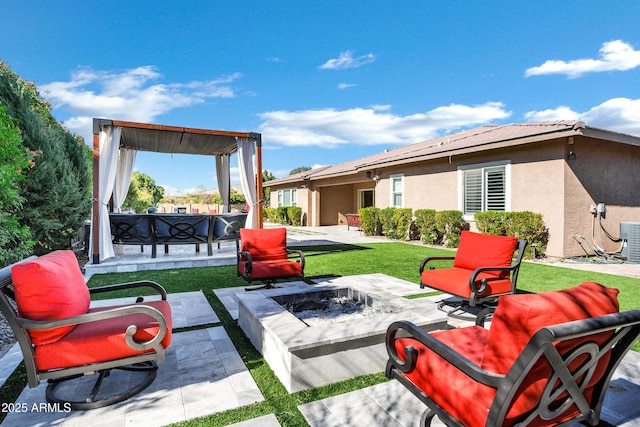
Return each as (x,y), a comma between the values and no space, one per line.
(246,155)
(109,141)
(223,175)
(126,161)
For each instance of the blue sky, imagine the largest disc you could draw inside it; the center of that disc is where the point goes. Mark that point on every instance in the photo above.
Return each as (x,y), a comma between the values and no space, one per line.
(325,81)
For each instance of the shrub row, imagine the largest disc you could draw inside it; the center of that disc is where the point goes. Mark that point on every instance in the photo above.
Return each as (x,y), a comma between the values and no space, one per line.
(289,215)
(444,227)
(524,225)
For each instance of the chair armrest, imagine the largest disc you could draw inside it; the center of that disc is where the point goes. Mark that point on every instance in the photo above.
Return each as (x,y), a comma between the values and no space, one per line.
(246,255)
(247,262)
(299,253)
(483,283)
(434,258)
(460,362)
(108,314)
(131,285)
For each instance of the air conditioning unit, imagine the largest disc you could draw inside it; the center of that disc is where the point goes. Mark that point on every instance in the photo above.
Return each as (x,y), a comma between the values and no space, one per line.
(630,233)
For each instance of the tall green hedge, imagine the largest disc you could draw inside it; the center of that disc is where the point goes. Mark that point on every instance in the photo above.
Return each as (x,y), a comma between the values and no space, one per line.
(57,189)
(16,242)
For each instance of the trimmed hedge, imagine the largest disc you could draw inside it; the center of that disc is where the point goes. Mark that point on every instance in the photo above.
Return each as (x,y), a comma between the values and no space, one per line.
(269,214)
(396,222)
(450,224)
(425,222)
(436,227)
(291,215)
(523,225)
(369,218)
(294,215)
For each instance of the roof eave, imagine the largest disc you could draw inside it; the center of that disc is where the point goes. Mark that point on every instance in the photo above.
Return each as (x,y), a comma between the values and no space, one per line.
(474,149)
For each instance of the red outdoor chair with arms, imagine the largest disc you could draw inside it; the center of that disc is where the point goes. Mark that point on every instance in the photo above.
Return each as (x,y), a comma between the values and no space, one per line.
(483,269)
(46,302)
(263,256)
(546,360)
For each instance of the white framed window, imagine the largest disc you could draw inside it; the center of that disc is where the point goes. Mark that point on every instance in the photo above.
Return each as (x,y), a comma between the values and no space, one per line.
(288,197)
(484,187)
(397,191)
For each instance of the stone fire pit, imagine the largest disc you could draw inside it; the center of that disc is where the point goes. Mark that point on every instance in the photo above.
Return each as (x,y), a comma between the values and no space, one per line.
(309,355)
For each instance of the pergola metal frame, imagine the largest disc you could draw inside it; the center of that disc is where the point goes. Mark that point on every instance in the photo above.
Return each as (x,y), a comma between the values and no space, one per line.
(155,138)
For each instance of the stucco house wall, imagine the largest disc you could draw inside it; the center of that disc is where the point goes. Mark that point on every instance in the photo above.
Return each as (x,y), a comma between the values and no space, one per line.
(335,201)
(602,172)
(562,171)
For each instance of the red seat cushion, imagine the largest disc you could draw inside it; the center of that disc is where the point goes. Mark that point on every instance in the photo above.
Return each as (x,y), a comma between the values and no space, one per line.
(485,250)
(48,288)
(272,269)
(455,281)
(454,391)
(264,244)
(102,340)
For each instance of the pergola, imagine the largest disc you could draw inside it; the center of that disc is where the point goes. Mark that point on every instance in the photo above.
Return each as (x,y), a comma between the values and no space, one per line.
(116,142)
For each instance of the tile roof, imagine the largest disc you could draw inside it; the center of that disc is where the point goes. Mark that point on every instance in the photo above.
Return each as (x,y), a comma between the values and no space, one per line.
(471,140)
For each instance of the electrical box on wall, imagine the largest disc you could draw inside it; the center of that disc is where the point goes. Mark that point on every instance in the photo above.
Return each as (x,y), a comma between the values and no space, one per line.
(630,234)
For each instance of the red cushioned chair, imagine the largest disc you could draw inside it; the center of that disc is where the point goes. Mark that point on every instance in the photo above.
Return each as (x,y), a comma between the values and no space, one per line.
(546,360)
(483,269)
(63,340)
(263,256)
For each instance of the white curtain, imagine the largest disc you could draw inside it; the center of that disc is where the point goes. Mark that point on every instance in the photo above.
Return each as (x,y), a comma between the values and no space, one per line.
(246,154)
(126,160)
(224,179)
(109,141)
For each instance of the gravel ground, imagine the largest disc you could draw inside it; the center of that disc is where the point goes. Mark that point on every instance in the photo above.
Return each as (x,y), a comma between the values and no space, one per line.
(7,339)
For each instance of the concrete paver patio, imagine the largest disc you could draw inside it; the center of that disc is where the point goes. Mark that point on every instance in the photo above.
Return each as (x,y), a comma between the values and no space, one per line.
(202,374)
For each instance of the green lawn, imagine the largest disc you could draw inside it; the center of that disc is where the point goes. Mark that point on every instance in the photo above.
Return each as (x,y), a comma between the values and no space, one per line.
(395,259)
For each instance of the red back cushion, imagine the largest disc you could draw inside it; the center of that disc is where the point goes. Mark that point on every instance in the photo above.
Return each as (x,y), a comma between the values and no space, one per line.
(485,250)
(519,317)
(48,288)
(264,244)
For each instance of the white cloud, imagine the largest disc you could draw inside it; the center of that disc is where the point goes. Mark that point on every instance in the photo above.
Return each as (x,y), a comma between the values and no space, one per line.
(281,173)
(346,60)
(617,114)
(134,94)
(560,113)
(172,191)
(371,126)
(343,86)
(615,55)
